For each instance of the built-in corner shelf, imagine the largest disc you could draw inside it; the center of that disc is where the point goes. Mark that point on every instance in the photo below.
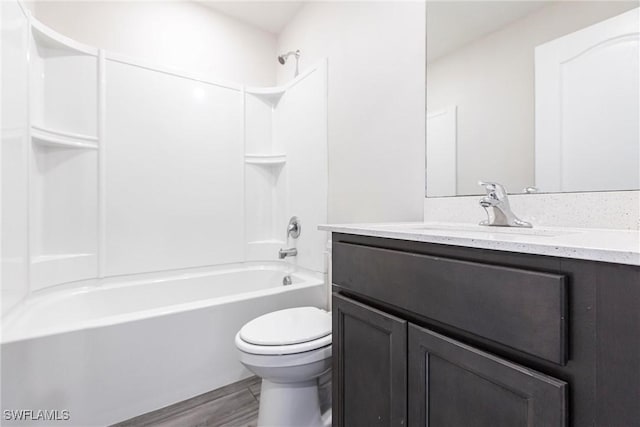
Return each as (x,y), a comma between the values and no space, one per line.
(265,159)
(59,139)
(270,95)
(49,39)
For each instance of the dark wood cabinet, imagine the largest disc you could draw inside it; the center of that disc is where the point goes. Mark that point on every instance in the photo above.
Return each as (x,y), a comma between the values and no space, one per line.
(371,372)
(453,384)
(443,336)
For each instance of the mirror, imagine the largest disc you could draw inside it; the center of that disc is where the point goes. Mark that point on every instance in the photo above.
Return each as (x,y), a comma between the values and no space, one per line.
(538,96)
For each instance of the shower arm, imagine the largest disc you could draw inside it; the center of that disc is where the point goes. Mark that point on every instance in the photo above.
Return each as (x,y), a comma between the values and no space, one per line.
(282,59)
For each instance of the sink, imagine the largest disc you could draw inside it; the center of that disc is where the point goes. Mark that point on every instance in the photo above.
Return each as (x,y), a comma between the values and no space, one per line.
(481,229)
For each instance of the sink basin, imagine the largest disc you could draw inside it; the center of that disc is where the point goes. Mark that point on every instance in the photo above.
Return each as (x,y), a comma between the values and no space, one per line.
(481,229)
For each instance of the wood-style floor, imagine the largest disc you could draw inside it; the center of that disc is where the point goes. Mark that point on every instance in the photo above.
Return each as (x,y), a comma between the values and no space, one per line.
(235,405)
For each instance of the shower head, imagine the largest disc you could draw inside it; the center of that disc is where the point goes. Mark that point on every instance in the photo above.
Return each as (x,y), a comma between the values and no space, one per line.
(283,58)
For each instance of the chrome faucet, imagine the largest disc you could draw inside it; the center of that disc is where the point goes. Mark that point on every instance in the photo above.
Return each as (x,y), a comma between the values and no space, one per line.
(496,204)
(283,253)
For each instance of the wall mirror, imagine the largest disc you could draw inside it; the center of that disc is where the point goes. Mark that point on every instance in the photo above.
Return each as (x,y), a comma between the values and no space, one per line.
(541,96)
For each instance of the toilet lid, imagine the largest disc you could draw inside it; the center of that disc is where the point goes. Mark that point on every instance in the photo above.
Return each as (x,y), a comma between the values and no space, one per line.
(287,327)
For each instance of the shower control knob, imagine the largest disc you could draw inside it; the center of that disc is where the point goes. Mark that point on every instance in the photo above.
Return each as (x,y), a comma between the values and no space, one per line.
(294,228)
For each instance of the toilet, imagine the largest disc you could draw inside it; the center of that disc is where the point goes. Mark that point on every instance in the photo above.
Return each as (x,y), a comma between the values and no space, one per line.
(289,349)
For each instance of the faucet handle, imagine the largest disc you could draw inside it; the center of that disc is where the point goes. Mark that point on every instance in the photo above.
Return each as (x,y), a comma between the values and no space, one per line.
(494,189)
(294,228)
(489,185)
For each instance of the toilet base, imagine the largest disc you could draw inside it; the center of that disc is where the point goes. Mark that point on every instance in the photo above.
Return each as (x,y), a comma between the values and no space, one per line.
(290,405)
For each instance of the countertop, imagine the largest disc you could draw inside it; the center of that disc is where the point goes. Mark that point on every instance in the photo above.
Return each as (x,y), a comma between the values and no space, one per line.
(614,246)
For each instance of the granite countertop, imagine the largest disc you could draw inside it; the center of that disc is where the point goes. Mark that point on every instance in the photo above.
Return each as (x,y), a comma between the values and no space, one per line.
(614,246)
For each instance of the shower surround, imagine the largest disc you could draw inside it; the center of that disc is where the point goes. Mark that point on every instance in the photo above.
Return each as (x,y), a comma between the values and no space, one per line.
(144,209)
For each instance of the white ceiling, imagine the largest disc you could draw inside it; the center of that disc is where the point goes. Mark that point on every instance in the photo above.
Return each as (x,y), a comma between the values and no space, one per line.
(452,24)
(271,16)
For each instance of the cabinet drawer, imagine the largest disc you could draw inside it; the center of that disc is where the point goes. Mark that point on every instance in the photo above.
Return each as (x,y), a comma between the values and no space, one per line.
(523,309)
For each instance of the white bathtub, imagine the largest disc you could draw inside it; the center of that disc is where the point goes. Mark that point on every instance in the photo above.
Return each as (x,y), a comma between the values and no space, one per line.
(120,348)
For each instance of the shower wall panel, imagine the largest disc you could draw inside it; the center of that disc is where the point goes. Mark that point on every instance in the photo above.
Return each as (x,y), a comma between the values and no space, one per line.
(174,190)
(15,145)
(113,167)
(301,123)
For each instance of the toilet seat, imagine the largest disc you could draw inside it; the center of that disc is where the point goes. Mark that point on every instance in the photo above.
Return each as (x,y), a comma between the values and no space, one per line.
(289,331)
(282,349)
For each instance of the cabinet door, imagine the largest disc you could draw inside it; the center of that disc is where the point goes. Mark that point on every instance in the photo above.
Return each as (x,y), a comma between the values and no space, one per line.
(369,366)
(452,384)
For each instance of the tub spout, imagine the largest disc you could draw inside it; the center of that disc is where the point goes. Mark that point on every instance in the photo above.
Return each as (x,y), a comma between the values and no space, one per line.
(283,253)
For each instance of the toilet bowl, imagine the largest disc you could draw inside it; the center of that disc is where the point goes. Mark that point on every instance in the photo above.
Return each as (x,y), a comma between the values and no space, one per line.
(289,349)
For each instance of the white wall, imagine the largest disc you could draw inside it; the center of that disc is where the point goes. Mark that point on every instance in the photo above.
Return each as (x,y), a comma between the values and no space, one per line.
(180,34)
(491,81)
(376,57)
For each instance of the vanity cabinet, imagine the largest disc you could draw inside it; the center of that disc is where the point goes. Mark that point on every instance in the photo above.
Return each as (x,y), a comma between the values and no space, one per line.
(436,335)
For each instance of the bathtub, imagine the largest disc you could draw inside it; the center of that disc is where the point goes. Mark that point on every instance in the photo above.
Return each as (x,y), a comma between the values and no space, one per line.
(110,350)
